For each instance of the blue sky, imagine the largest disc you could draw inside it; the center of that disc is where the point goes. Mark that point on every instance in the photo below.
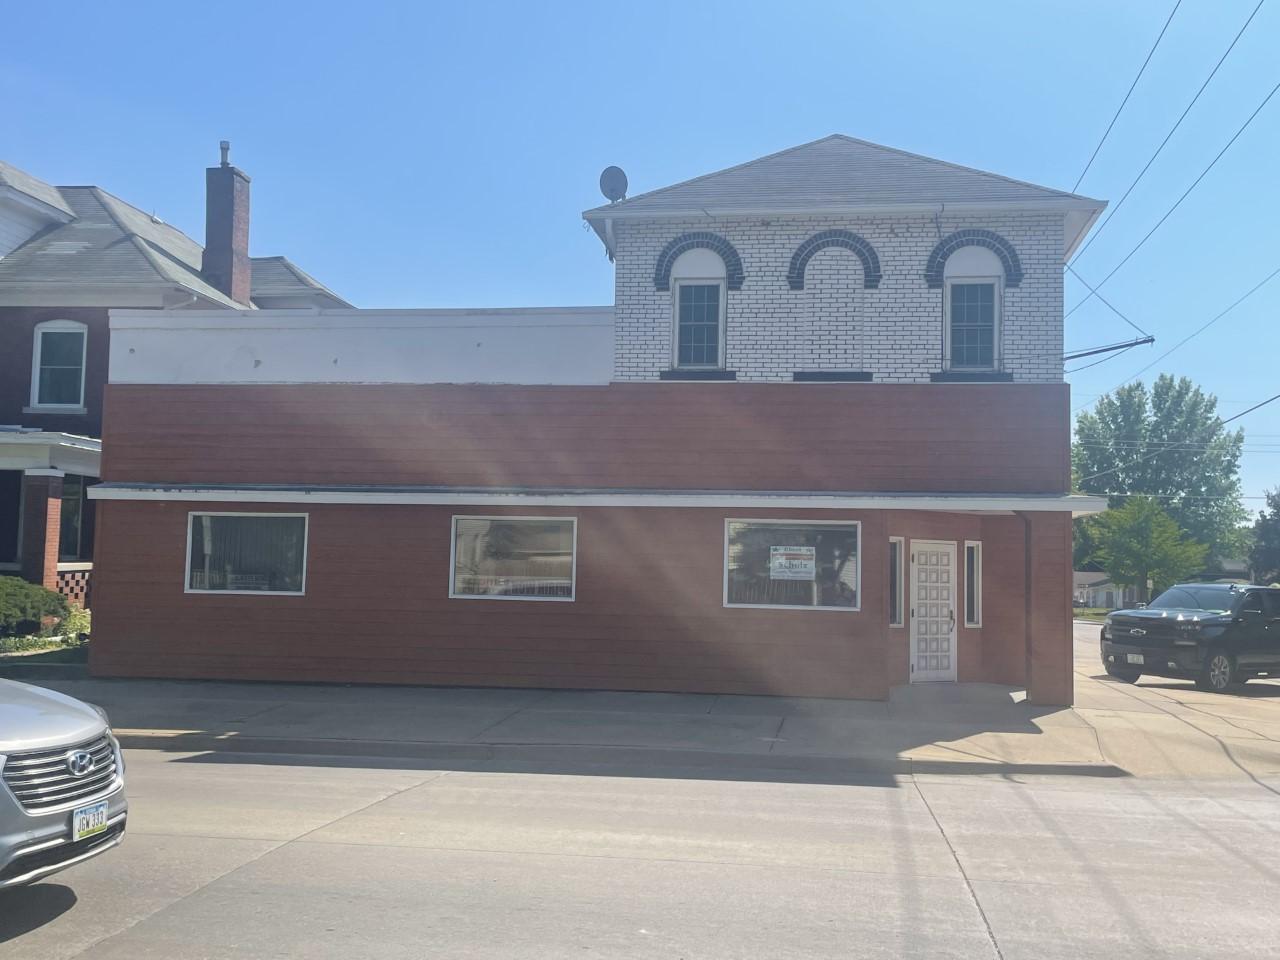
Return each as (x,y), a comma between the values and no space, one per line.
(416,154)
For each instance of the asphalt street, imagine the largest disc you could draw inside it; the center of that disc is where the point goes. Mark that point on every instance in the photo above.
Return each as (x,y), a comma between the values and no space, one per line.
(254,855)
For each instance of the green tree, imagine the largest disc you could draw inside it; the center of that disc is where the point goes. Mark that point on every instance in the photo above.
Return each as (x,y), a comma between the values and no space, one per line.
(1140,543)
(1264,558)
(1168,443)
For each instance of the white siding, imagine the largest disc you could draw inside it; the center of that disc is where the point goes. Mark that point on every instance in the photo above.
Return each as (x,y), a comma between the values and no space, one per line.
(571,345)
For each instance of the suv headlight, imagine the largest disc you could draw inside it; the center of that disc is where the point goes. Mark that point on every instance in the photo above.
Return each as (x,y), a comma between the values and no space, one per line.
(1106,630)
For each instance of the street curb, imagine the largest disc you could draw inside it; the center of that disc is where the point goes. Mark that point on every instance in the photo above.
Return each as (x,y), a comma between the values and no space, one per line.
(44,671)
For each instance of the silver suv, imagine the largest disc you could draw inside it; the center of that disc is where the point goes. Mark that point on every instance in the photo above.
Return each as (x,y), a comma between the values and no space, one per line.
(61,783)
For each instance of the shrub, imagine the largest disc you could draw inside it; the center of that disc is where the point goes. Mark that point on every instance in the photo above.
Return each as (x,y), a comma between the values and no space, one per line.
(25,606)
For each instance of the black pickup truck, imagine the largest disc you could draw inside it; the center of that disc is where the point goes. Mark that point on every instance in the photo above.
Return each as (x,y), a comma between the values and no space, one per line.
(1214,633)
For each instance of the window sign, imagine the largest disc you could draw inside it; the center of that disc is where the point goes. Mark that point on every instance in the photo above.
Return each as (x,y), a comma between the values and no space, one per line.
(793,563)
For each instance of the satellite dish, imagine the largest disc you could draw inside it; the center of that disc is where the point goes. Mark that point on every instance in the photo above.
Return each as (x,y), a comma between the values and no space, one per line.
(613,184)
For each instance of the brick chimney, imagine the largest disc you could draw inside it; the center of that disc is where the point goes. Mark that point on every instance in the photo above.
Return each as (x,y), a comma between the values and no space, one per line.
(226,229)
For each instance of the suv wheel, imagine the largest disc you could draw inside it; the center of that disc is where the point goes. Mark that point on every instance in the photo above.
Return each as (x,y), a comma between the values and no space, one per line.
(1123,675)
(1218,673)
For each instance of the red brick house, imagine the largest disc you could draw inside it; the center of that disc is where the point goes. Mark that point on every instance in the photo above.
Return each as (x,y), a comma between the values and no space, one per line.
(67,256)
(819,445)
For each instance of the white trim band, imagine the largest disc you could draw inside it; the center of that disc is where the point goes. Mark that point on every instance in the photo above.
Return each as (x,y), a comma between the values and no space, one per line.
(1077,504)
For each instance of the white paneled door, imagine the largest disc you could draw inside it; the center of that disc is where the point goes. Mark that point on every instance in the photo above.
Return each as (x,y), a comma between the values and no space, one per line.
(933,610)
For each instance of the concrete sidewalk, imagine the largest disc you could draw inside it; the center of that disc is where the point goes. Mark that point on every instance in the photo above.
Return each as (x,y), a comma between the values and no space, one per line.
(1158,729)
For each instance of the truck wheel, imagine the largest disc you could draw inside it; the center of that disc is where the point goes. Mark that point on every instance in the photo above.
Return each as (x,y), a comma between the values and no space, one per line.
(1123,675)
(1218,673)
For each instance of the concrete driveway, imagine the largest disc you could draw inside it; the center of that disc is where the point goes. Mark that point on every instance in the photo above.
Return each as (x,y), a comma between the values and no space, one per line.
(951,822)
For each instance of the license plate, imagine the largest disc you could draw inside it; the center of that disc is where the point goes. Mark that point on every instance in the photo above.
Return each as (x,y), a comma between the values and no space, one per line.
(1135,657)
(88,821)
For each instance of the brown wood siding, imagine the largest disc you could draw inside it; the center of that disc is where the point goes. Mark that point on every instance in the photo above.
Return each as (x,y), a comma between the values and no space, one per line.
(1008,438)
(649,612)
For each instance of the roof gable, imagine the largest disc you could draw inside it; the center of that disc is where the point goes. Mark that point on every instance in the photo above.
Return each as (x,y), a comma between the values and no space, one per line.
(833,173)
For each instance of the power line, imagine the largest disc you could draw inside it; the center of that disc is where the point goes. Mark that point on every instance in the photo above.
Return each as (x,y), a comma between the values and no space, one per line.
(1253,408)
(1169,212)
(1195,333)
(1093,292)
(1156,453)
(1120,108)
(1119,203)
(1122,352)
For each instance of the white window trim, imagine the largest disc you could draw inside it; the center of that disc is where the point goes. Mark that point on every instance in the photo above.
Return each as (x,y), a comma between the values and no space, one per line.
(306,546)
(675,322)
(800,522)
(901,610)
(56,326)
(997,334)
(976,546)
(453,550)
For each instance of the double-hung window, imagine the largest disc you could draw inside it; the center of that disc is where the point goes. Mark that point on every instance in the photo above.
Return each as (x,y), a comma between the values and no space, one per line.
(973,323)
(699,324)
(247,553)
(57,365)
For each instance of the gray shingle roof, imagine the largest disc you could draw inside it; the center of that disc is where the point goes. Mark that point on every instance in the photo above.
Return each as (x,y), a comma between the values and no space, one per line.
(109,241)
(275,277)
(37,189)
(834,172)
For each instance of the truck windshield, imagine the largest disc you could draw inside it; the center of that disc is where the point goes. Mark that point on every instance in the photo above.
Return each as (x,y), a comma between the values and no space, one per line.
(1214,599)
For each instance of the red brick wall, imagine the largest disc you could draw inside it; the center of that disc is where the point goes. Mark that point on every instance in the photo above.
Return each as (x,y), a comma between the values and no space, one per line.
(1011,438)
(648,613)
(17,325)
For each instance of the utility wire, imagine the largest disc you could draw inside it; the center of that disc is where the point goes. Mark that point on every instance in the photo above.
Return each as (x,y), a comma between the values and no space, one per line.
(1093,292)
(1119,203)
(1120,353)
(1195,333)
(1106,133)
(1169,212)
(1156,453)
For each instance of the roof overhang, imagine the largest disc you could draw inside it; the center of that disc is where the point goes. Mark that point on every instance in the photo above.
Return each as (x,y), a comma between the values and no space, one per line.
(45,450)
(1076,504)
(1079,214)
(145,296)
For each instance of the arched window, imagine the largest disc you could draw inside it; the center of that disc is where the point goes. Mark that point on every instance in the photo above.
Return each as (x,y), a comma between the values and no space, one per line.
(57,365)
(698,287)
(972,296)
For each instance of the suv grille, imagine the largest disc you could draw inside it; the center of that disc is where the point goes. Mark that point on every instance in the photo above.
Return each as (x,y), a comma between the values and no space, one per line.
(41,780)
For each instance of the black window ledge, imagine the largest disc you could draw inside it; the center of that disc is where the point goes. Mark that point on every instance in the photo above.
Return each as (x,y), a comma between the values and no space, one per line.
(693,374)
(971,376)
(831,376)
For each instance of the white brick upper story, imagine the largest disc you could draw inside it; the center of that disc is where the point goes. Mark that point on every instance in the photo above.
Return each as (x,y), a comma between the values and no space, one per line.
(970,321)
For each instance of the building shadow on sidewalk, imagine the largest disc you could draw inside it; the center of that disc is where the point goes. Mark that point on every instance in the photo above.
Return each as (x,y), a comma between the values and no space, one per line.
(919,730)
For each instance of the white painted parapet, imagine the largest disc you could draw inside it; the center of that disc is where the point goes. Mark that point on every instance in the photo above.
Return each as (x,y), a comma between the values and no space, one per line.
(543,345)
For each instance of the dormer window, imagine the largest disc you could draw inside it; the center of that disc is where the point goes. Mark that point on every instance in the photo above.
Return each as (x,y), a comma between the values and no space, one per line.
(972,295)
(57,366)
(698,306)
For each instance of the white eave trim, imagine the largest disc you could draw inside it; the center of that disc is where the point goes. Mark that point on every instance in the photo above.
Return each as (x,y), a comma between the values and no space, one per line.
(622,212)
(1078,505)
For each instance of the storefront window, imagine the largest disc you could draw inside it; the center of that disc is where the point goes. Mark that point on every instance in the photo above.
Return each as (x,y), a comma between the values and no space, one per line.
(773,563)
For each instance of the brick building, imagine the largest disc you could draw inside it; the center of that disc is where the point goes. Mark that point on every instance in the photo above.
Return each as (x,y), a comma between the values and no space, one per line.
(819,445)
(67,256)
